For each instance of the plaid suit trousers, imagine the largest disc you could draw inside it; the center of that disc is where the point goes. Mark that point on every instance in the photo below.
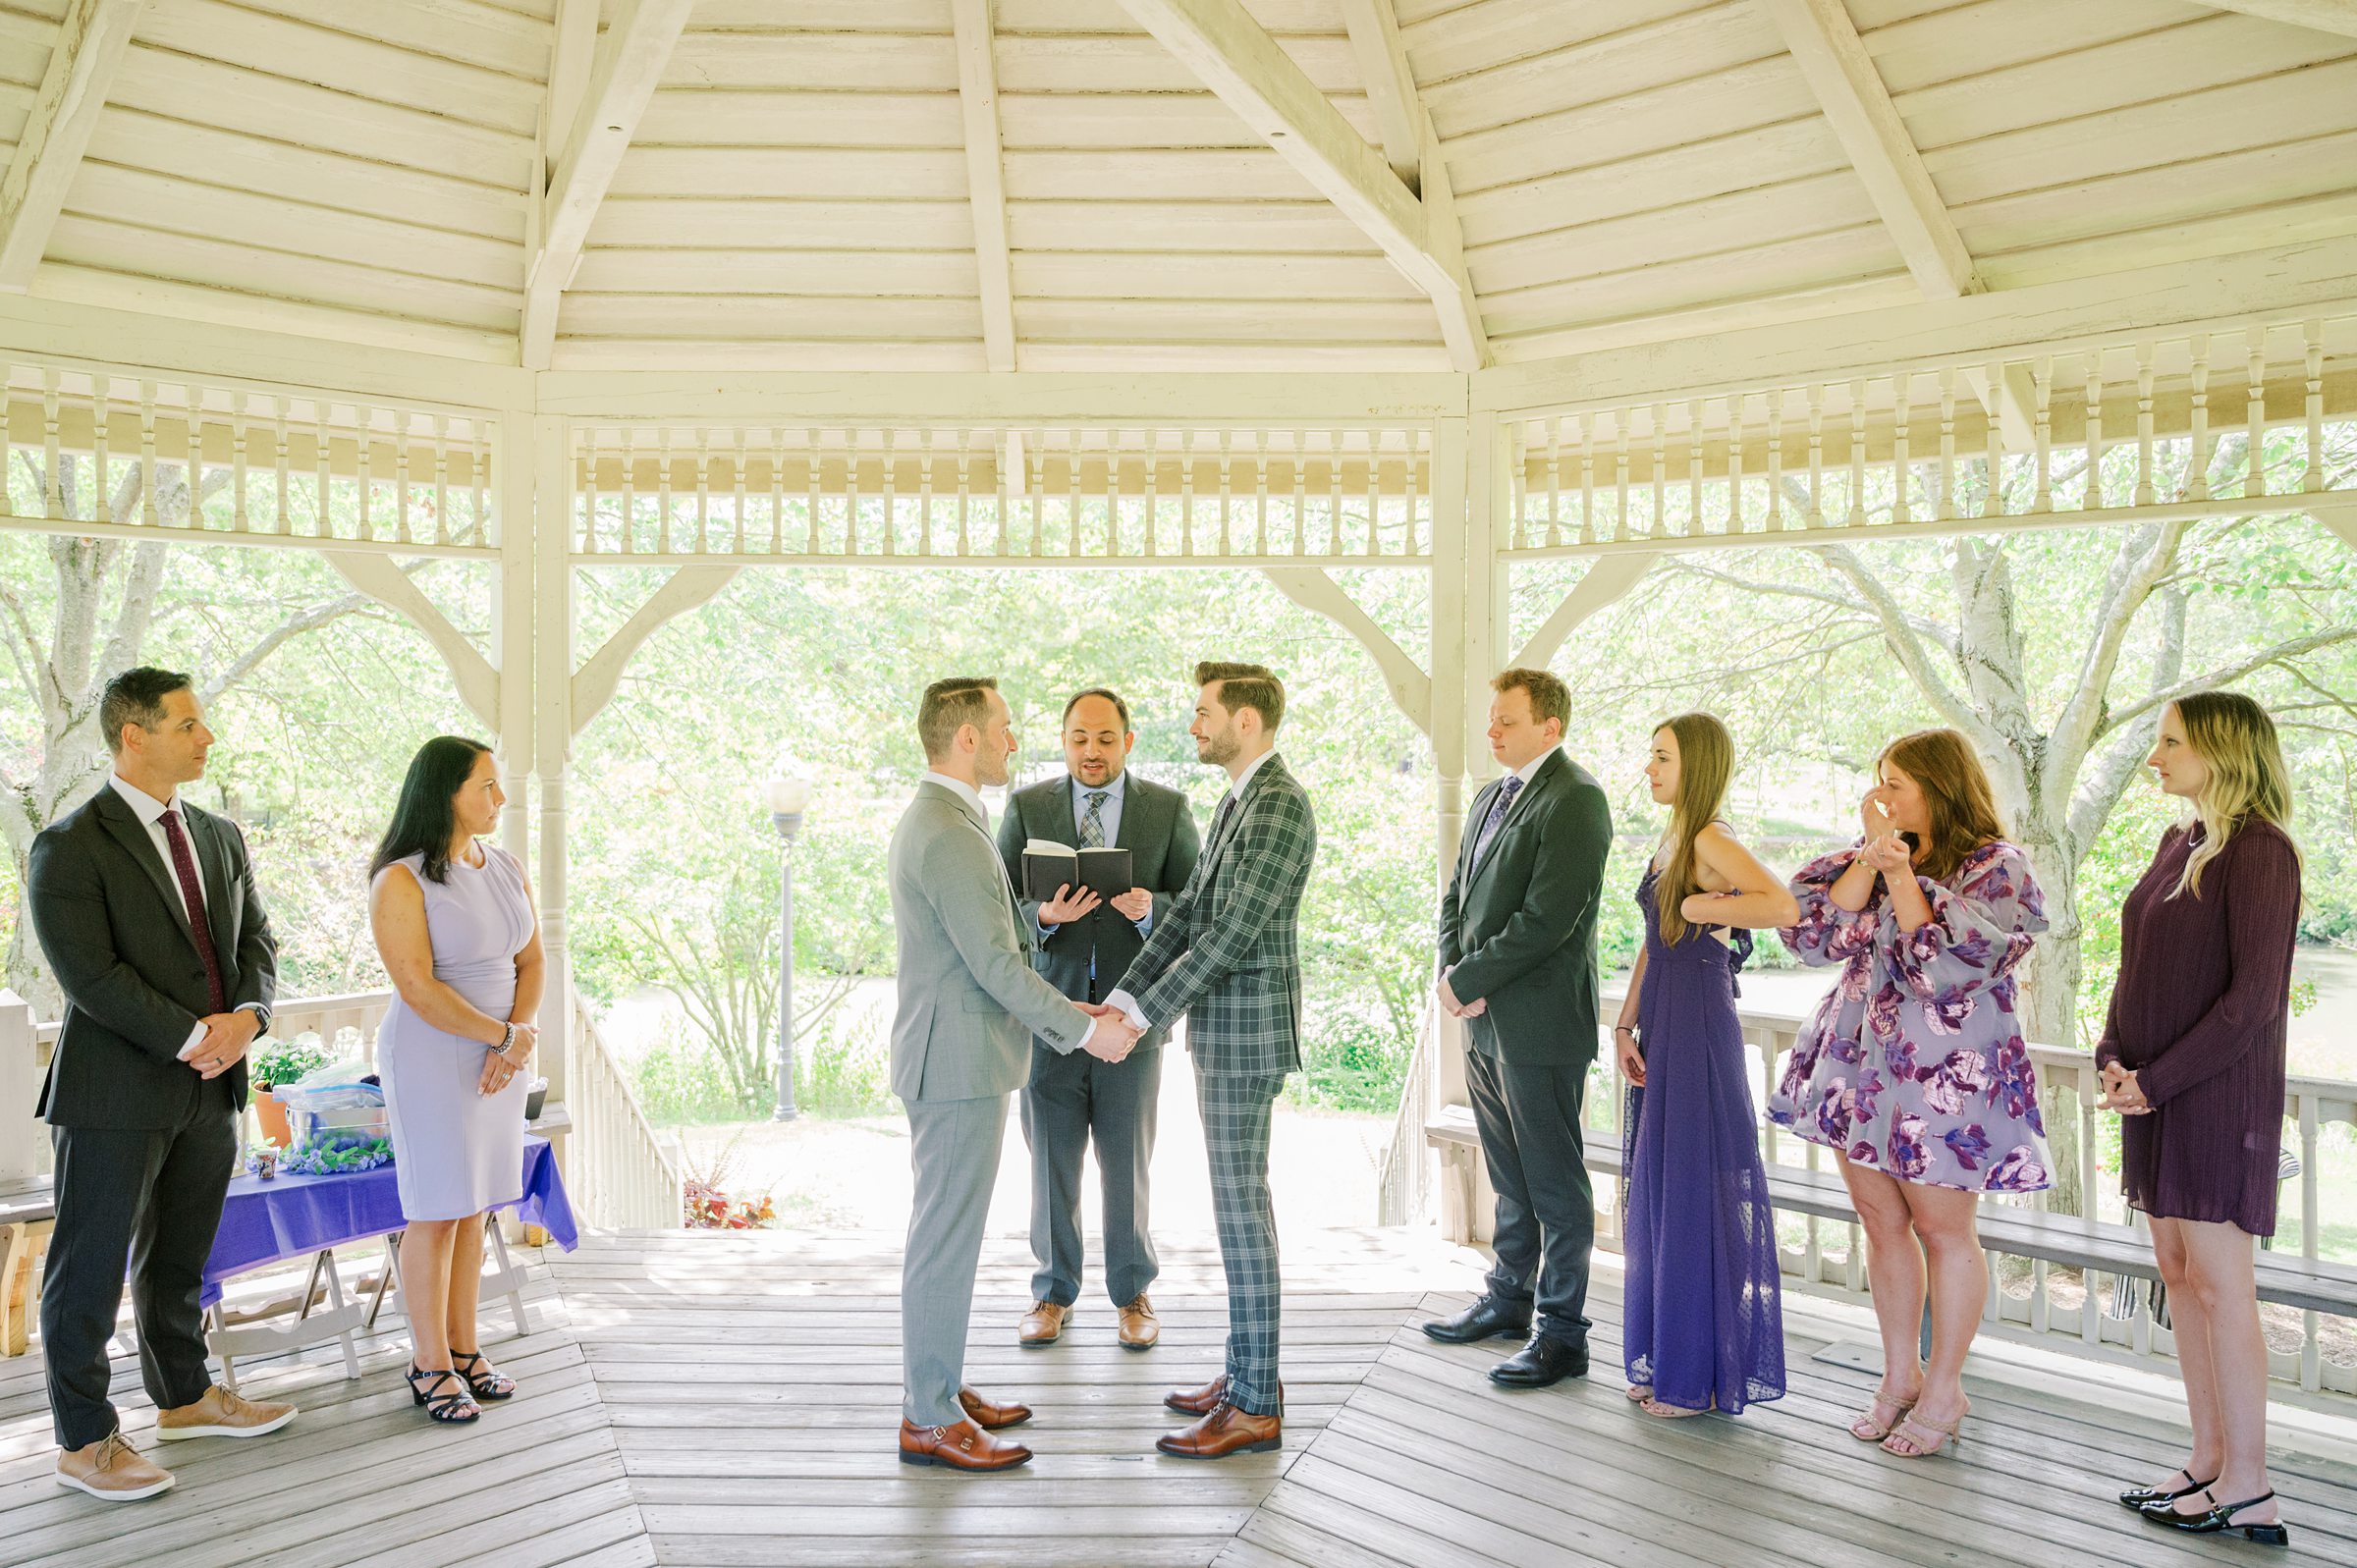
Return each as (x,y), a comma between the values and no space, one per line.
(1235,1135)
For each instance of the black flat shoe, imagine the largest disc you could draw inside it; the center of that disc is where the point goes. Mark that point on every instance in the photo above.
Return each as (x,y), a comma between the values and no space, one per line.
(2141,1495)
(452,1407)
(1488,1317)
(484,1384)
(2220,1520)
(1545,1361)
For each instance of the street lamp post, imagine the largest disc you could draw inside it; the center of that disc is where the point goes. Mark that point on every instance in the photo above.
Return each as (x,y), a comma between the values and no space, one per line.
(787,798)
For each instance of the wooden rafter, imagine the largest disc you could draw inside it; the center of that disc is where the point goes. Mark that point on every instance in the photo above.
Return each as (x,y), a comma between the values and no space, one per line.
(90,43)
(985,177)
(2325,15)
(1236,57)
(630,62)
(1824,44)
(1391,85)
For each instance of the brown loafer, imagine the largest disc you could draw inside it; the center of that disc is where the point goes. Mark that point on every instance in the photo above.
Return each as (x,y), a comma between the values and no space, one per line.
(990,1417)
(1043,1325)
(1226,1430)
(964,1446)
(1139,1326)
(1202,1401)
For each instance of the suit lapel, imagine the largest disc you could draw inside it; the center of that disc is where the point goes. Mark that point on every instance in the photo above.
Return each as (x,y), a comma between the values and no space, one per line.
(1218,846)
(1063,825)
(1134,807)
(1540,783)
(212,870)
(131,835)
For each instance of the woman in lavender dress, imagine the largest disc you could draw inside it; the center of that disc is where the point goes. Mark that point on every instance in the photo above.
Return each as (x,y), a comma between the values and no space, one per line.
(1913,1068)
(454,923)
(1702,1312)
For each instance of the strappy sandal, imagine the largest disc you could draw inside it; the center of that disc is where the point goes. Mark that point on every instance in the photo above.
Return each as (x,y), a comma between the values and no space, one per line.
(1866,1428)
(2219,1519)
(450,1409)
(1927,1438)
(1639,1392)
(483,1384)
(2138,1497)
(1662,1412)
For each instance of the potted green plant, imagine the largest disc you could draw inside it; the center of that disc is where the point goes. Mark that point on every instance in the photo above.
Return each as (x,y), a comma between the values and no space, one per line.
(276,1062)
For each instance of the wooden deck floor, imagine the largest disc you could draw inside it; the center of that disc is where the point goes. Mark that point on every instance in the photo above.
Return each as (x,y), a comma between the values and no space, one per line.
(731,1400)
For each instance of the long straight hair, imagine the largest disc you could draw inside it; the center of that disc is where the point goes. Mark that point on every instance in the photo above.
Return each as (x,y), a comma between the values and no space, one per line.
(1961,805)
(1706,765)
(425,821)
(2236,740)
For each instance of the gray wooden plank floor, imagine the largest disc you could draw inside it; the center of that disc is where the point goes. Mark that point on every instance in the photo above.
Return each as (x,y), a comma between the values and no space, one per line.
(701,1400)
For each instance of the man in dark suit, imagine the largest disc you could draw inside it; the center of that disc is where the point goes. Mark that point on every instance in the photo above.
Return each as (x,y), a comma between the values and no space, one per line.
(1517,947)
(145,907)
(1225,956)
(1083,950)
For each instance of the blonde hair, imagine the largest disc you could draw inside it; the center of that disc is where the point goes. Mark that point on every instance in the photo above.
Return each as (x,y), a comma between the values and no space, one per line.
(1956,795)
(2236,741)
(1706,764)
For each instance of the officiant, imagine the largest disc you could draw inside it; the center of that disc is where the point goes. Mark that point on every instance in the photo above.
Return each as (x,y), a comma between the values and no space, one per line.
(1084,940)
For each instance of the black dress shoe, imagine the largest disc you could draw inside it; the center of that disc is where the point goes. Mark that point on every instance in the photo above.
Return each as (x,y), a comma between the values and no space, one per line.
(1545,1360)
(1485,1318)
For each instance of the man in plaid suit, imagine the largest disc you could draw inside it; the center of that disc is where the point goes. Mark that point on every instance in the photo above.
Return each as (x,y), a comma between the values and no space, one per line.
(1225,956)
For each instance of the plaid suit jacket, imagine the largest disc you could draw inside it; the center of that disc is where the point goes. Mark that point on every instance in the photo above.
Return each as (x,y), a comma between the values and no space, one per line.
(1226,953)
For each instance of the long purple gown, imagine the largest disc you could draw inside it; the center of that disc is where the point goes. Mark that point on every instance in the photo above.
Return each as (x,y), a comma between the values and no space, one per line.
(1703,1319)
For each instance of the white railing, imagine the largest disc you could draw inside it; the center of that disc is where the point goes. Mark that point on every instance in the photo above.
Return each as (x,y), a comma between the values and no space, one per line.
(1405,1182)
(622,1175)
(1096,496)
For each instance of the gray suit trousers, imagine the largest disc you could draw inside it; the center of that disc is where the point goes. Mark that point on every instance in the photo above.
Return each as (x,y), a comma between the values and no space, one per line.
(954,1147)
(1069,1098)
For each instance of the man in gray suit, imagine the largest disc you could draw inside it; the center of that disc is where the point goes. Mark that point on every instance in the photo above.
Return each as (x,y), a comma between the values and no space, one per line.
(1084,946)
(969,1006)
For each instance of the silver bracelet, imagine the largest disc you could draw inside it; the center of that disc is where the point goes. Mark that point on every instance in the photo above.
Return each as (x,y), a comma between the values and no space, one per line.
(506,1040)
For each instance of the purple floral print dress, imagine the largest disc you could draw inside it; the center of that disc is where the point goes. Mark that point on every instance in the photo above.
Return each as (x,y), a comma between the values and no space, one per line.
(1914,1064)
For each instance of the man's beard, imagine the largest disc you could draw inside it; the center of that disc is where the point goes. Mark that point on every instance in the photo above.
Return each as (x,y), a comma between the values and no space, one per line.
(993,774)
(1220,749)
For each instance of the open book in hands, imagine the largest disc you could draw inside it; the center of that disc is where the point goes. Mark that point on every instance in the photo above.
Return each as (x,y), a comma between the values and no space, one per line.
(1049,865)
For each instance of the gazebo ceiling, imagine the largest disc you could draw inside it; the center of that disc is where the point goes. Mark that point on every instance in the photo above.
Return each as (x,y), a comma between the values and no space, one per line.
(831,184)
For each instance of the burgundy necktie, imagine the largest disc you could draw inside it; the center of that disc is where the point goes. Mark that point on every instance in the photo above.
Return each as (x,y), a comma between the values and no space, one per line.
(192,891)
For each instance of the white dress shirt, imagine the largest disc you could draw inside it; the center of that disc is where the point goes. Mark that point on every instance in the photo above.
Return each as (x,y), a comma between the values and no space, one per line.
(150,812)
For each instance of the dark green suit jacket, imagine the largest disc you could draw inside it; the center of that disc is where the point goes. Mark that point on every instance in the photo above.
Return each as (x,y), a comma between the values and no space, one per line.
(1518,929)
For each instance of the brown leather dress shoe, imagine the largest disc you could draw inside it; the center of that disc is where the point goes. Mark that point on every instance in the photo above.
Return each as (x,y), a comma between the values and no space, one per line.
(990,1417)
(964,1446)
(1139,1326)
(1043,1325)
(1226,1430)
(1202,1401)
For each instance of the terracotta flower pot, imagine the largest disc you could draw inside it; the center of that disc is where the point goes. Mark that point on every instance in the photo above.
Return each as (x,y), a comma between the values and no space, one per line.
(273,1117)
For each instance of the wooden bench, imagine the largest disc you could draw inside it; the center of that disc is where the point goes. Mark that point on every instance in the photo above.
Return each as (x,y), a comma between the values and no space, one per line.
(2307,1284)
(28,1214)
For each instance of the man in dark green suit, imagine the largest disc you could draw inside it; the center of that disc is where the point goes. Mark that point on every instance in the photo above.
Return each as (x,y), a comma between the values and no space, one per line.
(1083,946)
(1517,960)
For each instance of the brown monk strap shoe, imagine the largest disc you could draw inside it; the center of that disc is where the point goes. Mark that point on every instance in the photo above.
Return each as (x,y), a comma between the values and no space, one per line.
(221,1413)
(1201,1401)
(1226,1430)
(990,1417)
(964,1446)
(1139,1326)
(1043,1325)
(111,1469)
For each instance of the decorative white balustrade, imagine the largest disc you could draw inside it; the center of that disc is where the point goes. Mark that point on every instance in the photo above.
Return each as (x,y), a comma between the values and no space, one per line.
(115,449)
(2074,433)
(974,497)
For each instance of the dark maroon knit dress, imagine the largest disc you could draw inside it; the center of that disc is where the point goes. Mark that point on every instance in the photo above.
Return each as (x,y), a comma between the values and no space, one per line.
(2197,1015)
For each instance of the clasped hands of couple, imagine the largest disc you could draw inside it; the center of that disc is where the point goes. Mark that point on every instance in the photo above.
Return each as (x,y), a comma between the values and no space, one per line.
(1112,1037)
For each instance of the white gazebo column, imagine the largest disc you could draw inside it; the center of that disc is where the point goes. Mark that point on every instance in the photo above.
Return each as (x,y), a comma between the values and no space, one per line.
(511,630)
(551,516)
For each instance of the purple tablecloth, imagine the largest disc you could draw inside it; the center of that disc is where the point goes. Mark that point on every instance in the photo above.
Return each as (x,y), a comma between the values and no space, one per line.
(294,1217)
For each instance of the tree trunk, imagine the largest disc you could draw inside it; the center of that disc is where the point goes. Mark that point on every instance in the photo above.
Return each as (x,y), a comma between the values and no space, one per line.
(2049,993)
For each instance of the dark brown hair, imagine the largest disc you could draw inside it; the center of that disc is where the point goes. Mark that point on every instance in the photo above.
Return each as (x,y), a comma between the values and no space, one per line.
(136,697)
(1550,699)
(1253,686)
(948,707)
(1961,805)
(1113,697)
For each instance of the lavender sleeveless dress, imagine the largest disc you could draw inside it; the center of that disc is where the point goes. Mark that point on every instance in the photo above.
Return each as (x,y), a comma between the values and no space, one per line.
(457,1152)
(1702,1317)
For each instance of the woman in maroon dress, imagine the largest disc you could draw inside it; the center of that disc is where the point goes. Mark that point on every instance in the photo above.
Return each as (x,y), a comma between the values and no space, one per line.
(2192,1058)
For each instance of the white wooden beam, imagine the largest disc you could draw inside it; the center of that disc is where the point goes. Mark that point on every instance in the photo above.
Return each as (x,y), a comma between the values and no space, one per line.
(594,683)
(630,62)
(2325,15)
(985,177)
(1824,44)
(1236,57)
(572,56)
(382,579)
(1314,590)
(1607,582)
(90,43)
(1391,85)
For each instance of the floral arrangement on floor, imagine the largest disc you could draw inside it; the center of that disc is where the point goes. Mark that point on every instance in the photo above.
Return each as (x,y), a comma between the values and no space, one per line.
(708,1204)
(325,1157)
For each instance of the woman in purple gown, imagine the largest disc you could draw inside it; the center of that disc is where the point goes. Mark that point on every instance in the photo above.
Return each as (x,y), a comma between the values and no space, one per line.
(1703,1318)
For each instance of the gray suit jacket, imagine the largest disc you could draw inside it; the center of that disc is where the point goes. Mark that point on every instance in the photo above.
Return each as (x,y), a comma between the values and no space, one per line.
(1157,830)
(969,999)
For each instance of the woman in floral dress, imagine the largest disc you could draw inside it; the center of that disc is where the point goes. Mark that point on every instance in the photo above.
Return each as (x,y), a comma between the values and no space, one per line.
(1913,1069)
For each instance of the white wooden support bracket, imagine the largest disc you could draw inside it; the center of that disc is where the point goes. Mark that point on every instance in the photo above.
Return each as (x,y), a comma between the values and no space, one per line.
(2339,521)
(381,579)
(594,685)
(985,177)
(1607,582)
(1314,590)
(91,40)
(2325,15)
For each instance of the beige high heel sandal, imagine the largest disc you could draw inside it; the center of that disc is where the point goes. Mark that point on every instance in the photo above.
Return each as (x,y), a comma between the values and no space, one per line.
(1868,1430)
(1927,1436)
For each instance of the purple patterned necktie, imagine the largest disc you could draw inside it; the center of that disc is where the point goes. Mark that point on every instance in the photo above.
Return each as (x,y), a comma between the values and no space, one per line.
(1497,817)
(192,891)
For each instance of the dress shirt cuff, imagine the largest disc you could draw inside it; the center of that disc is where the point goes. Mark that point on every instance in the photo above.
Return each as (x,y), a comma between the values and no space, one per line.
(1144,923)
(196,1039)
(1130,1010)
